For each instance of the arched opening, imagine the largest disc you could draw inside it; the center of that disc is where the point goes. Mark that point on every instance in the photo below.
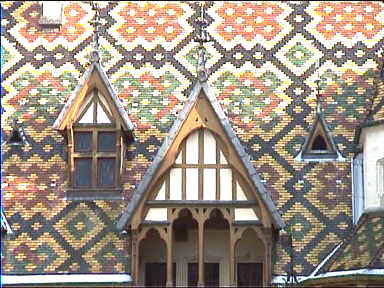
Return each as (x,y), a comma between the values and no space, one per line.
(249,255)
(152,261)
(216,243)
(319,144)
(185,244)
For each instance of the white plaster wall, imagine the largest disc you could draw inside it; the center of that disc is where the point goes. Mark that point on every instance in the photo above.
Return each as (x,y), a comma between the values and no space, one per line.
(373,145)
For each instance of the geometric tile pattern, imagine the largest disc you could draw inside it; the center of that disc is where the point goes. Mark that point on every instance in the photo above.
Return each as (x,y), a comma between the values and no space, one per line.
(263,63)
(363,249)
(346,21)
(249,23)
(79,226)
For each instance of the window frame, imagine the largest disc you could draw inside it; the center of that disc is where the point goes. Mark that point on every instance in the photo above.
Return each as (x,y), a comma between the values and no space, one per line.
(95,191)
(48,22)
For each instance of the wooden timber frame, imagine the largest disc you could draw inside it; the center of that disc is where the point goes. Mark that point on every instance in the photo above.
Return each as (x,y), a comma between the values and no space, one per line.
(201,214)
(96,85)
(201,115)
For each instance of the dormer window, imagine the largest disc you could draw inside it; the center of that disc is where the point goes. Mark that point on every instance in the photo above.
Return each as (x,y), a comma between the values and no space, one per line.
(319,145)
(17,137)
(51,16)
(97,128)
(96,142)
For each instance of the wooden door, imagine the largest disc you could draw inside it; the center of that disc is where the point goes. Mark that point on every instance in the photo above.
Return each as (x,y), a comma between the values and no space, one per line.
(211,274)
(156,274)
(250,274)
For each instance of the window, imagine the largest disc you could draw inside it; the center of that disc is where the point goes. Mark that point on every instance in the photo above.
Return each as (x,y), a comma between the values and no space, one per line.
(51,16)
(319,145)
(17,136)
(95,151)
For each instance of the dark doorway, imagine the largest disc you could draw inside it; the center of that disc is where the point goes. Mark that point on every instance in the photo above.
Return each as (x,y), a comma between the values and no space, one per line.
(250,274)
(211,277)
(156,274)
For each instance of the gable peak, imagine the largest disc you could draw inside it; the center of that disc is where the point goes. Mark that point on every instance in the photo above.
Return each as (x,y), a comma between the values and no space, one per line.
(93,80)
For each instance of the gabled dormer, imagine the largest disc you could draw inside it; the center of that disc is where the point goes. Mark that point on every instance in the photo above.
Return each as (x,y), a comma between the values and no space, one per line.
(201,183)
(319,145)
(17,136)
(97,129)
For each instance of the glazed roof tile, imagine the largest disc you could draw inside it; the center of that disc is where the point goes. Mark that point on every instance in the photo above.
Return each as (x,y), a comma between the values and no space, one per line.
(363,249)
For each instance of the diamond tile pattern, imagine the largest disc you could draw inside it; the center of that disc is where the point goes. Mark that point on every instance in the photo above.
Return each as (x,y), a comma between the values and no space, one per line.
(263,67)
(363,249)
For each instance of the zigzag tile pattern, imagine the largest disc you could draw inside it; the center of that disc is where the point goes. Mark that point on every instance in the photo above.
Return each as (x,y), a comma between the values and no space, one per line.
(263,62)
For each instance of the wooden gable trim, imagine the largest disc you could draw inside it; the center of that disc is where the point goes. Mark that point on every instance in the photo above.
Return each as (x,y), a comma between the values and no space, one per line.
(95,77)
(168,153)
(202,116)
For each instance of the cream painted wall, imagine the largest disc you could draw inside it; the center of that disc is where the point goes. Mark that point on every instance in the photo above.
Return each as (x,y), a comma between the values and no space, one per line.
(372,139)
(249,249)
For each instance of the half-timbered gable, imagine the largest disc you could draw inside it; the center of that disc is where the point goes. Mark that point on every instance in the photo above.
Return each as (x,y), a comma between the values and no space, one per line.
(201,181)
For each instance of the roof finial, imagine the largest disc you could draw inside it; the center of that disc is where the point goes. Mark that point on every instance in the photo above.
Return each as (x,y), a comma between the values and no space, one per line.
(202,37)
(95,56)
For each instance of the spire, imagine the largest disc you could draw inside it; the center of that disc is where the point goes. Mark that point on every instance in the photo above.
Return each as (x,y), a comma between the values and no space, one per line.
(202,37)
(95,56)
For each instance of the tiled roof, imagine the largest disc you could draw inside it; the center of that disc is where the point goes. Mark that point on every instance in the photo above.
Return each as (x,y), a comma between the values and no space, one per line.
(263,75)
(364,248)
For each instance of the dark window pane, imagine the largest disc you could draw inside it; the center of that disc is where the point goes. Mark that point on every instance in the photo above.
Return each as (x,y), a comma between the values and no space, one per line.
(319,143)
(107,142)
(106,171)
(83,172)
(83,141)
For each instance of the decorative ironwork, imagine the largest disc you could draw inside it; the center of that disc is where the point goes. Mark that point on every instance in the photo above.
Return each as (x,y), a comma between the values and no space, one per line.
(95,55)
(202,37)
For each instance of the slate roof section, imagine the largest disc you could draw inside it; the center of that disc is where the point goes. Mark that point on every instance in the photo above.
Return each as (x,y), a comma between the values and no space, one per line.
(305,155)
(95,66)
(376,115)
(363,249)
(245,158)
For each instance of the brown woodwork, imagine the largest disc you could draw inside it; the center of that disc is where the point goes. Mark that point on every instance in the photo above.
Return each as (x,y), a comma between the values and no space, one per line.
(94,154)
(249,274)
(201,115)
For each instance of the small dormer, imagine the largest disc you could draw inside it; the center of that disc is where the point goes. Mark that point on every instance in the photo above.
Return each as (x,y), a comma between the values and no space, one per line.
(319,145)
(97,129)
